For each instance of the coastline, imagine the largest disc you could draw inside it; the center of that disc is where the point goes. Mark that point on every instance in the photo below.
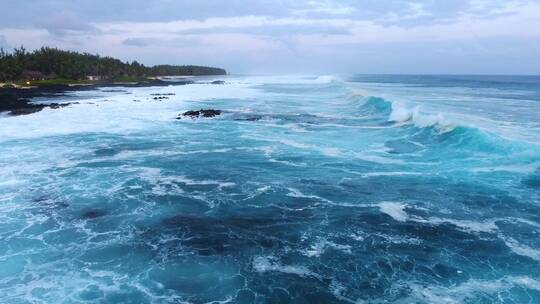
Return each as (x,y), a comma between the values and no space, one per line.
(17,100)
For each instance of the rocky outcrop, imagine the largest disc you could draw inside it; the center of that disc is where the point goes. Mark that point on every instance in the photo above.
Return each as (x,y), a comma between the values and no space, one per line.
(200,113)
(17,101)
(25,109)
(160,97)
(14,105)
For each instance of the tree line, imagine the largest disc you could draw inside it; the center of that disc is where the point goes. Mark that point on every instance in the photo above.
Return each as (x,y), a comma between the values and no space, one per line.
(55,63)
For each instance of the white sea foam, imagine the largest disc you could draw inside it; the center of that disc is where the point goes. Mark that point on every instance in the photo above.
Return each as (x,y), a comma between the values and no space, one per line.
(271,264)
(284,79)
(397,211)
(297,193)
(333,152)
(326,79)
(514,168)
(487,226)
(378,159)
(118,113)
(398,239)
(163,185)
(359,236)
(356,93)
(338,290)
(402,114)
(392,173)
(321,245)
(467,225)
(295,144)
(366,155)
(394,209)
(522,249)
(188,181)
(473,289)
(286,162)
(521,220)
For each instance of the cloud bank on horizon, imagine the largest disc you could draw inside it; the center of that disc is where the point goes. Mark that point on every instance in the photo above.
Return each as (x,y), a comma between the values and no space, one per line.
(301,36)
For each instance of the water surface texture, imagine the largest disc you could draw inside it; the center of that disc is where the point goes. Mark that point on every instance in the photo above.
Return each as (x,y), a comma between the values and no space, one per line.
(364,189)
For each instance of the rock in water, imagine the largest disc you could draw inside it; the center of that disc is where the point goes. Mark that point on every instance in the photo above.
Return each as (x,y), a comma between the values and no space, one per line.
(200,113)
(210,113)
(160,97)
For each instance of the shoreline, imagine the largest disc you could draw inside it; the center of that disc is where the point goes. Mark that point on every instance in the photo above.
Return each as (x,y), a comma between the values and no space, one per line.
(15,101)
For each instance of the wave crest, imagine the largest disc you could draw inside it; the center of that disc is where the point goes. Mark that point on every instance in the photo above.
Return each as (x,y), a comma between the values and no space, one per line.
(403,114)
(326,79)
(438,128)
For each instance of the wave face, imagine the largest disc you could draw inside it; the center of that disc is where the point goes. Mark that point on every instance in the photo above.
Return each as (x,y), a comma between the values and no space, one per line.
(370,189)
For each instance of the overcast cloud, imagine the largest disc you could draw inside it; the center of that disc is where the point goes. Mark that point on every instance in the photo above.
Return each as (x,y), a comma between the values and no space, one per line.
(302,36)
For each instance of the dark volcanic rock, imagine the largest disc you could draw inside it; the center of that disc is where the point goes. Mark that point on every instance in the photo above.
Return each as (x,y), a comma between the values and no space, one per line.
(58,105)
(201,113)
(192,113)
(114,91)
(210,113)
(17,101)
(218,82)
(160,97)
(25,109)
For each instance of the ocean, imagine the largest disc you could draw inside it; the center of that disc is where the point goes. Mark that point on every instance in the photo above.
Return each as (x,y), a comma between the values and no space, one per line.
(306,189)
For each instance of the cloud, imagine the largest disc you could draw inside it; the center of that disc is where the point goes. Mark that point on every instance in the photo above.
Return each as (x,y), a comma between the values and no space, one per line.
(294,34)
(164,42)
(17,13)
(136,42)
(324,8)
(272,30)
(249,25)
(64,23)
(81,15)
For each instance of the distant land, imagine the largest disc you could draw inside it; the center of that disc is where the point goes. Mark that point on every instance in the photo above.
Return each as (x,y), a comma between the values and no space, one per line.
(51,66)
(49,71)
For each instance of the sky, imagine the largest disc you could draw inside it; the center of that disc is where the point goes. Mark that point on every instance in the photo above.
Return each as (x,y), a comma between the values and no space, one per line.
(290,36)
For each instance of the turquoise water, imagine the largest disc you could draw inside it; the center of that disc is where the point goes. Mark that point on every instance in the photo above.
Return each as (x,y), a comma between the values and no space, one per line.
(363,189)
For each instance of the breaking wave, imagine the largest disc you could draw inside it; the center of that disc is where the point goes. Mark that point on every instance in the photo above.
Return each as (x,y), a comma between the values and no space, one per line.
(437,127)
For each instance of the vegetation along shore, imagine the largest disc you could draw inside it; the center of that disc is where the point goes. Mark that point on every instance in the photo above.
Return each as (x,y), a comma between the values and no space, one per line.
(25,75)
